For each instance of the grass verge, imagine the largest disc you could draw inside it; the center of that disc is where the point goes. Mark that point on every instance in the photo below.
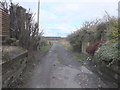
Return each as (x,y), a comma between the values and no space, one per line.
(46,47)
(83,58)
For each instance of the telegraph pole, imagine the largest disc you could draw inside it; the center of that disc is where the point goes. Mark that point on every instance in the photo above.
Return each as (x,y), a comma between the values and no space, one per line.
(38,23)
(38,13)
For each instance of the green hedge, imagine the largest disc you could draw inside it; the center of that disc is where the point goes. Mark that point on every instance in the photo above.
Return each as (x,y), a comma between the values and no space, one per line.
(75,41)
(108,53)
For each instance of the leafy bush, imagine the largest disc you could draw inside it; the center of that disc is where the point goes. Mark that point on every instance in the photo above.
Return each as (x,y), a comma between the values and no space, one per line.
(43,42)
(113,32)
(108,53)
(100,31)
(92,48)
(75,41)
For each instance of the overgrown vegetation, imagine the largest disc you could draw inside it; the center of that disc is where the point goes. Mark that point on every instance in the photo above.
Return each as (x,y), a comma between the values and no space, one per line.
(108,53)
(45,44)
(23,30)
(93,34)
(83,58)
(45,48)
(92,48)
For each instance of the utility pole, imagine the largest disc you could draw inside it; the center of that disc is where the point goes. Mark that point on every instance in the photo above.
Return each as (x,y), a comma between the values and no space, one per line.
(38,23)
(38,13)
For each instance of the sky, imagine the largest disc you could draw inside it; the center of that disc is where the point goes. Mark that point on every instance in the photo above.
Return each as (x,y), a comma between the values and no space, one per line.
(62,17)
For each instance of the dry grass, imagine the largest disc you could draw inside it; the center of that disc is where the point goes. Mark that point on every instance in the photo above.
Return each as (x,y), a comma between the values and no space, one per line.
(66,44)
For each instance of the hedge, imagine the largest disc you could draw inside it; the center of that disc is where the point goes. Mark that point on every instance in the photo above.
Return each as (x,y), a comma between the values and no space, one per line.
(108,53)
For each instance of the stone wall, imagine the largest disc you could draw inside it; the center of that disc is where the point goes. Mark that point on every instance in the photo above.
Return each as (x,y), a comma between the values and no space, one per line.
(111,73)
(87,40)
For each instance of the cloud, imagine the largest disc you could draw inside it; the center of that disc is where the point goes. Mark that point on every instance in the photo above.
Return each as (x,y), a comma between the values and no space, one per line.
(47,16)
(64,16)
(58,30)
(66,1)
(68,16)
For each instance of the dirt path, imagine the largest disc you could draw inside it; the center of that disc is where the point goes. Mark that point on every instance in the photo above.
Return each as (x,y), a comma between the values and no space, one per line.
(59,70)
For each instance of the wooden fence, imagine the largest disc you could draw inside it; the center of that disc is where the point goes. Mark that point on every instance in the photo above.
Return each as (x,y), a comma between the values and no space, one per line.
(13,68)
(4,23)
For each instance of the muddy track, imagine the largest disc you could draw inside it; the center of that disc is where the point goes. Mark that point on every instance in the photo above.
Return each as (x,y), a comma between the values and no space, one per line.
(59,70)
